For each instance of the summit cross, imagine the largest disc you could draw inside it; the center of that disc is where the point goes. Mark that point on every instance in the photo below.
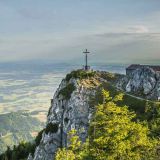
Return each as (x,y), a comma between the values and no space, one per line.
(86,67)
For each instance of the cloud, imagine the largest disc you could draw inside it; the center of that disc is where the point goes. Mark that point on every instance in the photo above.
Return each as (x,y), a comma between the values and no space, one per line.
(46,35)
(138,29)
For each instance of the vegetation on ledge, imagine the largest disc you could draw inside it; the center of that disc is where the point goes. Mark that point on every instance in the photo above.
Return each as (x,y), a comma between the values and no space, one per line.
(19,152)
(80,74)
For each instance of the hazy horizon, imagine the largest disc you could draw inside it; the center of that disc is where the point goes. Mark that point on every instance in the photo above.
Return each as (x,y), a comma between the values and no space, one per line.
(31,86)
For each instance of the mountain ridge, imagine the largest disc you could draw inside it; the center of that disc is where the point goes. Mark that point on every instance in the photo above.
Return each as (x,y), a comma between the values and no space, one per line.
(76,110)
(73,106)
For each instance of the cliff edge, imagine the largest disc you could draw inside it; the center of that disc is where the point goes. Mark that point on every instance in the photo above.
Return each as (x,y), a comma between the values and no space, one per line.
(69,109)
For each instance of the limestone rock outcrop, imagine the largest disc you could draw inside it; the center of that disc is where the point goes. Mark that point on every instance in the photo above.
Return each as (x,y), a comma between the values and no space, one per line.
(66,113)
(143,82)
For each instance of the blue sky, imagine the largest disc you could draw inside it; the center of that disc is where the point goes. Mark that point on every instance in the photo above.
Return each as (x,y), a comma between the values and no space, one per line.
(115,31)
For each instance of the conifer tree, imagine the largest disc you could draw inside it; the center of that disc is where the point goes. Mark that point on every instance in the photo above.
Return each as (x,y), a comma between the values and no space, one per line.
(113,135)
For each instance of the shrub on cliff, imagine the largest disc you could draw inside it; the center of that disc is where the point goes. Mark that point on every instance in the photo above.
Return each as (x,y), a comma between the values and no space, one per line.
(52,128)
(115,135)
(73,148)
(19,152)
(80,74)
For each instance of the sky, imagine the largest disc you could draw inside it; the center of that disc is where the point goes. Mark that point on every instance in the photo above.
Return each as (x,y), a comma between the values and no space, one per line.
(115,31)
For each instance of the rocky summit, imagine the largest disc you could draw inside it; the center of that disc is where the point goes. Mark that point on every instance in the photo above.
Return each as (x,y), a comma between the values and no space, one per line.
(143,82)
(69,110)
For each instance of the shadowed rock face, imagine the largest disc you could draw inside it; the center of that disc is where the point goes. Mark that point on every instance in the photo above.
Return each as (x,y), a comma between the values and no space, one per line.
(143,82)
(66,114)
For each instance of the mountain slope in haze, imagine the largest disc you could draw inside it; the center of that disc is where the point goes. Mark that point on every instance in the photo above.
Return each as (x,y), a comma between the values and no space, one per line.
(16,127)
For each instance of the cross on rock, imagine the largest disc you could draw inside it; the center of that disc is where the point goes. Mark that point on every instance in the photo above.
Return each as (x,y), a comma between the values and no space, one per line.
(86,67)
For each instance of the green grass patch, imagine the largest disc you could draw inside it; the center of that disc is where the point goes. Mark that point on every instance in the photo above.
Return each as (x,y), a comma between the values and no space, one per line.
(110,77)
(80,74)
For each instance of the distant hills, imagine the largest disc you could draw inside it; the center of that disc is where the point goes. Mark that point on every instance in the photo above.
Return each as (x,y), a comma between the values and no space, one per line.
(16,127)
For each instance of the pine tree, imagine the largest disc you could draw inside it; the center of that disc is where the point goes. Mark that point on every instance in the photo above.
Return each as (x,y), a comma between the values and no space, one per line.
(73,148)
(114,134)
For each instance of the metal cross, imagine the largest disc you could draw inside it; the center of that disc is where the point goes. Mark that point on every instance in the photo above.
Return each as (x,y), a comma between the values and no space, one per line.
(86,59)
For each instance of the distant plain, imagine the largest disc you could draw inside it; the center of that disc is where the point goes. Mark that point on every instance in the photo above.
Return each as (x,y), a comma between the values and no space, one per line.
(30,86)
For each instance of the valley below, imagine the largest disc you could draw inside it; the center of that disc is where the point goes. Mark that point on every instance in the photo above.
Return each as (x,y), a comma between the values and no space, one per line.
(16,127)
(73,106)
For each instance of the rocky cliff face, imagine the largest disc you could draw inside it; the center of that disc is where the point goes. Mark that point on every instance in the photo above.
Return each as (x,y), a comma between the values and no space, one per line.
(143,82)
(67,111)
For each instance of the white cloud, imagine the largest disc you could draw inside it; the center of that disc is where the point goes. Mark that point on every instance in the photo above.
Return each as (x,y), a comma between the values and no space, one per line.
(138,29)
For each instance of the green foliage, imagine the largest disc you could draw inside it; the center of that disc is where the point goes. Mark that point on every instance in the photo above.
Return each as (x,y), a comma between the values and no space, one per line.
(73,148)
(19,152)
(52,128)
(15,127)
(80,74)
(67,91)
(75,143)
(113,135)
(152,115)
(134,104)
(64,154)
(148,111)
